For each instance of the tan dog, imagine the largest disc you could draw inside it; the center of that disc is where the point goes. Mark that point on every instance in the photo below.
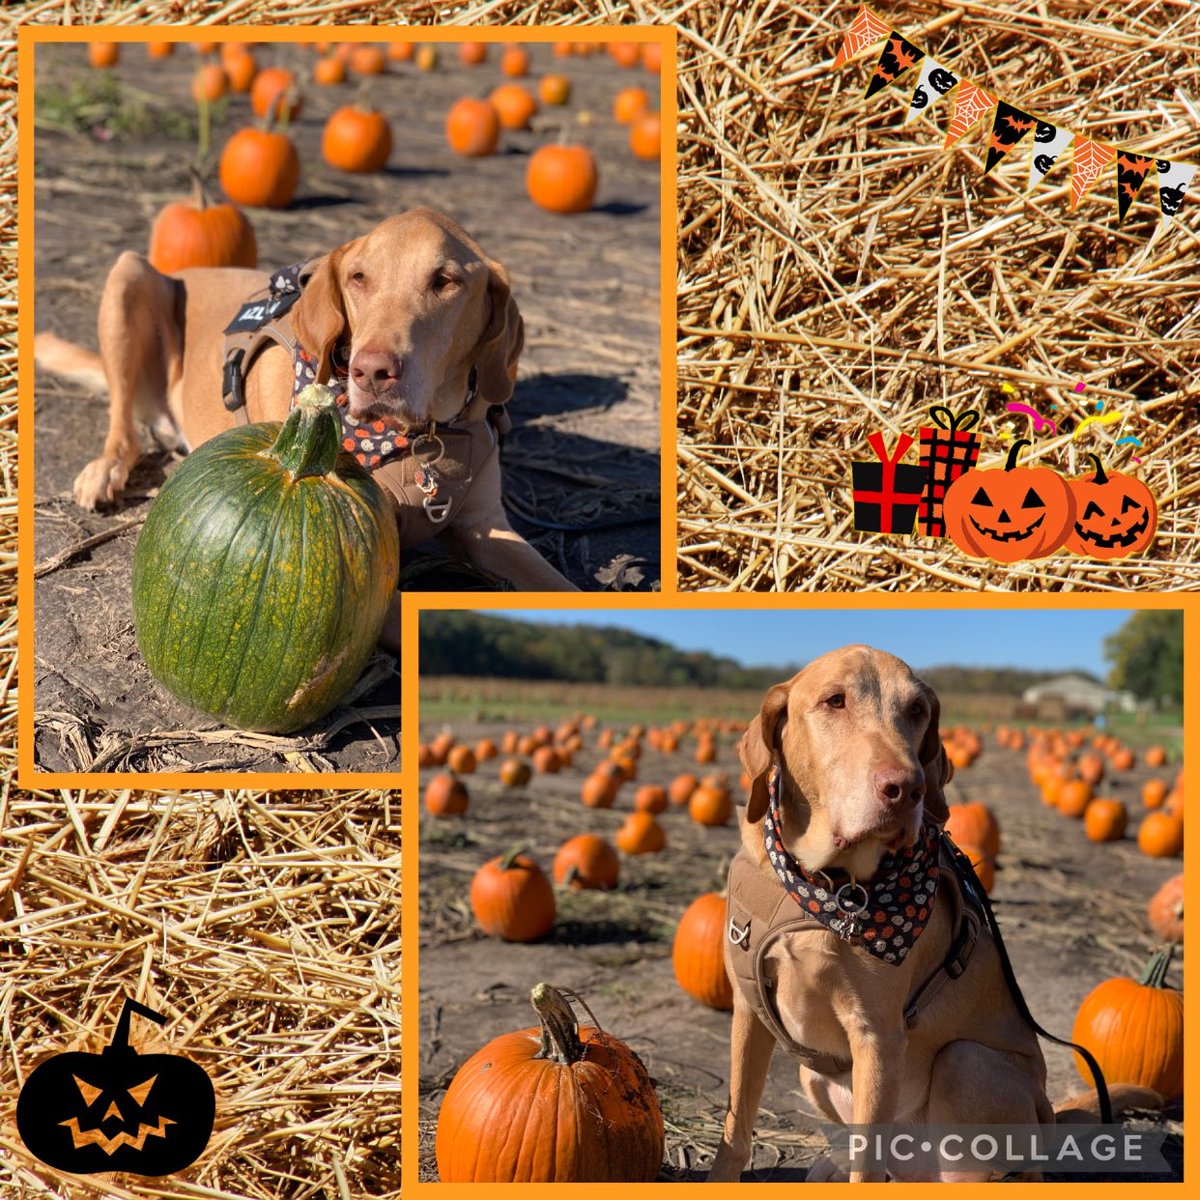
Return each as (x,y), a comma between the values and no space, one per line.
(411,308)
(861,769)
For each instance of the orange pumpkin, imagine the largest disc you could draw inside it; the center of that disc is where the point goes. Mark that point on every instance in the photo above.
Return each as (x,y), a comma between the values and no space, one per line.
(260,168)
(514,105)
(1160,835)
(645,136)
(274,91)
(1105,820)
(239,65)
(1091,769)
(554,90)
(651,798)
(625,54)
(160,49)
(630,103)
(710,805)
(367,60)
(401,51)
(599,791)
(485,749)
(586,861)
(329,70)
(471,54)
(473,128)
(515,772)
(209,83)
(103,54)
(1123,759)
(1115,515)
(1154,792)
(681,788)
(1074,798)
(551,1104)
(427,58)
(1165,910)
(641,834)
(446,796)
(201,235)
(698,952)
(514,62)
(546,761)
(461,760)
(1135,1030)
(562,179)
(974,824)
(356,139)
(425,756)
(1010,514)
(652,56)
(1156,757)
(512,898)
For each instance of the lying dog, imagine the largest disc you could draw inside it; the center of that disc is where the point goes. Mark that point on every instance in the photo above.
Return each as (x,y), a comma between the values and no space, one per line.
(892,997)
(412,319)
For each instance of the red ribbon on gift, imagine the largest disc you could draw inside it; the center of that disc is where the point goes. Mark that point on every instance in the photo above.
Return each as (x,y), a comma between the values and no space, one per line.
(887,497)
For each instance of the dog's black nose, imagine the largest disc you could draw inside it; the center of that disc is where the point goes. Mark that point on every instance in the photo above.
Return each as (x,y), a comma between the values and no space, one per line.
(898,786)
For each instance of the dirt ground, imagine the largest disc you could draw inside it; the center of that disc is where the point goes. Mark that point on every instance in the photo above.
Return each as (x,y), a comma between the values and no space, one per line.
(1072,913)
(581,465)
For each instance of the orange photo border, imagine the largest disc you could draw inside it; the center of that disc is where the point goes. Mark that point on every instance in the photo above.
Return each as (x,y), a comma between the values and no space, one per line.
(29,37)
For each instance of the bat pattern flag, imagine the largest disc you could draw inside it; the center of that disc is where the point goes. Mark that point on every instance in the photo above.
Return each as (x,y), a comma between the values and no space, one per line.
(1011,124)
(898,56)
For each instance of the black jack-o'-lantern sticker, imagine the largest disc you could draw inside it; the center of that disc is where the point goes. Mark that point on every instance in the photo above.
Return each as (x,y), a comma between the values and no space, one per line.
(149,1114)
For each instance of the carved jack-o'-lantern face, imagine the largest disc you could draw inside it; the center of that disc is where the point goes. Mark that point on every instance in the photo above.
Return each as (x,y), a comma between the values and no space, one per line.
(118,1110)
(1010,514)
(1115,515)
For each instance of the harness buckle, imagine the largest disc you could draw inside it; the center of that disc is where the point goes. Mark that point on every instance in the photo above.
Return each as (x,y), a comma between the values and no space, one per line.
(739,937)
(436,510)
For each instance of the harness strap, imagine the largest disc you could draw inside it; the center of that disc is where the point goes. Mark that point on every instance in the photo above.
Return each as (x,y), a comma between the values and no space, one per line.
(967,873)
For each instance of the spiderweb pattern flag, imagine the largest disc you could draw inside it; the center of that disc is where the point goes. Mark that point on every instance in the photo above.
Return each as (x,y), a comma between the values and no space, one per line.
(1087,161)
(970,103)
(865,30)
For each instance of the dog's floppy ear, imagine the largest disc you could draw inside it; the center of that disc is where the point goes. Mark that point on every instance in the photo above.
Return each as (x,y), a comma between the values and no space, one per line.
(319,317)
(499,348)
(937,767)
(758,745)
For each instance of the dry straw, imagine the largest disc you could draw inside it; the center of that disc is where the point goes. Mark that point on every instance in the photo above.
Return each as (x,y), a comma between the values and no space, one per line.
(841,275)
(266,928)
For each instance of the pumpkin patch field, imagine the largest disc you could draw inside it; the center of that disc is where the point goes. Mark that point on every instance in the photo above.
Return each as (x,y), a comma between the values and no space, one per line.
(308,147)
(589,852)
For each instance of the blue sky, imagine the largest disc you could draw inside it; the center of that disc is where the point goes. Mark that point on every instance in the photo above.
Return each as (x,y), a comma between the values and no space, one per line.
(1050,640)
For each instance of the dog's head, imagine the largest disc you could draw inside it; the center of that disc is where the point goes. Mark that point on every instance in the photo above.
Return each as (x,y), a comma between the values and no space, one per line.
(408,311)
(856,737)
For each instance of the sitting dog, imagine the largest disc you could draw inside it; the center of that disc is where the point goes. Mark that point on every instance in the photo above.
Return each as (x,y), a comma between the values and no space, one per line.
(852,941)
(412,321)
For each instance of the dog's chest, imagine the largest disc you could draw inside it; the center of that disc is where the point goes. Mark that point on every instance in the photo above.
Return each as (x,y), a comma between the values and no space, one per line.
(807,975)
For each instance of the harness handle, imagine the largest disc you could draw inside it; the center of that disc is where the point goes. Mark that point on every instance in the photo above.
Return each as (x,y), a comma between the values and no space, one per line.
(981,898)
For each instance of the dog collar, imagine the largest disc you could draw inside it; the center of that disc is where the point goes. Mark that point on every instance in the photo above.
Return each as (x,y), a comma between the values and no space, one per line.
(884,915)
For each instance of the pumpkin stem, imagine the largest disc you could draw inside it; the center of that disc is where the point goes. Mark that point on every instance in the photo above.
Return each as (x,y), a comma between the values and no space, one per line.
(1101,477)
(1155,974)
(311,437)
(204,131)
(506,863)
(120,1038)
(560,1030)
(571,875)
(1013,450)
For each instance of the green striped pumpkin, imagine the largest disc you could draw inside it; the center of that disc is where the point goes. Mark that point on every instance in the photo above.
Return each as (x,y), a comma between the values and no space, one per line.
(264,572)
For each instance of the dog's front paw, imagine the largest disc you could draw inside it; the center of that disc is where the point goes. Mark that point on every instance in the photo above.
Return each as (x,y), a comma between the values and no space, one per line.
(100,483)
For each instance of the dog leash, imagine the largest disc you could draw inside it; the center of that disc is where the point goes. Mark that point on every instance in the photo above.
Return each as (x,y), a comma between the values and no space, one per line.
(980,897)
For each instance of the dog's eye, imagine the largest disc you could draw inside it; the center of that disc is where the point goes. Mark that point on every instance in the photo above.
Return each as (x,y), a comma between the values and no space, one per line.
(443,280)
(837,700)
(358,277)
(918,709)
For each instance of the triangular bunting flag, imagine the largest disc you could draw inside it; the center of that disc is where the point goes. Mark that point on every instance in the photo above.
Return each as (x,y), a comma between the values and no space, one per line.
(1088,160)
(898,56)
(970,103)
(1132,170)
(865,30)
(1009,126)
(935,82)
(1049,141)
(1173,180)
